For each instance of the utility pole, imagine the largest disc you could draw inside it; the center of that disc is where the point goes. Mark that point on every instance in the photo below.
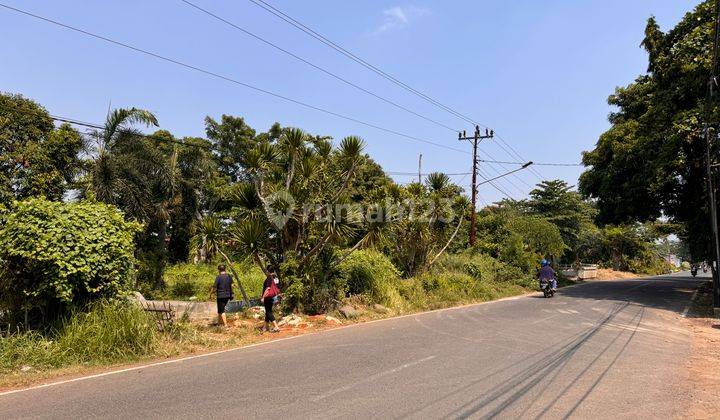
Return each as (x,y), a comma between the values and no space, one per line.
(420,169)
(475,138)
(712,82)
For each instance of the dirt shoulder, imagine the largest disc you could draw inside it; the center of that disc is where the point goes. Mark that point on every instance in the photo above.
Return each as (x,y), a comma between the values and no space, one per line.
(203,337)
(610,274)
(703,367)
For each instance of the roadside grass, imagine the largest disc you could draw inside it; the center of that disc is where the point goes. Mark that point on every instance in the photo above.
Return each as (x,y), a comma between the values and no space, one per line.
(109,332)
(455,280)
(119,333)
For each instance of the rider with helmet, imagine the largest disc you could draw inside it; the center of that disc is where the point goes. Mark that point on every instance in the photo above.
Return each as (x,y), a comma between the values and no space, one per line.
(547,273)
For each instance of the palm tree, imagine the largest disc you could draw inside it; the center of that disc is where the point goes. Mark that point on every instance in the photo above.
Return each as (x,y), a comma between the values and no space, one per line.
(437,181)
(119,173)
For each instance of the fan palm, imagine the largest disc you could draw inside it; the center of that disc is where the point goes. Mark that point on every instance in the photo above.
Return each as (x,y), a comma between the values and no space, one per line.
(437,181)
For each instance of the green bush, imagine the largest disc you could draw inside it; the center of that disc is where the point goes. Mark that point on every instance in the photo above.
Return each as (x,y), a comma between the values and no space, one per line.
(650,264)
(370,273)
(294,289)
(185,288)
(482,267)
(55,255)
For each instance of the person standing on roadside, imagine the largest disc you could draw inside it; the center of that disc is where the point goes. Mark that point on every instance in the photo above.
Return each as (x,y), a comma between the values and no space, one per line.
(223,291)
(269,295)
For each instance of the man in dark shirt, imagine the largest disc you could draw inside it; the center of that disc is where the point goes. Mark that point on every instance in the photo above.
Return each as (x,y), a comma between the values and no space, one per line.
(223,291)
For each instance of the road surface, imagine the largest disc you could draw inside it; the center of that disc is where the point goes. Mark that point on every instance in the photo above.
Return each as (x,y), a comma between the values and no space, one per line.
(606,349)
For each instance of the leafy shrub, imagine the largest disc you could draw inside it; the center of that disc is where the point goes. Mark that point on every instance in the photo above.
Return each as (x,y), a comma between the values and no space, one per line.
(482,267)
(150,265)
(517,239)
(649,263)
(371,273)
(60,254)
(294,289)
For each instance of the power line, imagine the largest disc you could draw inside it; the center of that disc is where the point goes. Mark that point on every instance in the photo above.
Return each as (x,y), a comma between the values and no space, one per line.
(314,34)
(309,63)
(216,75)
(228,79)
(508,180)
(426,173)
(492,183)
(309,31)
(517,155)
(334,75)
(535,163)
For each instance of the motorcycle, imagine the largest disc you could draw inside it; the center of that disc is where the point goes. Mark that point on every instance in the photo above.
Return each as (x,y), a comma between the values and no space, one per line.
(546,288)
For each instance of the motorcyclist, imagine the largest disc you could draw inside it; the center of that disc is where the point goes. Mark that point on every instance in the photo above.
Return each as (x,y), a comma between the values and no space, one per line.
(547,273)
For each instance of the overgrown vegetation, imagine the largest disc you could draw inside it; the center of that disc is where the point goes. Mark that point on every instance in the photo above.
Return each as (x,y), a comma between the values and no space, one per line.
(651,162)
(193,281)
(109,332)
(85,219)
(58,256)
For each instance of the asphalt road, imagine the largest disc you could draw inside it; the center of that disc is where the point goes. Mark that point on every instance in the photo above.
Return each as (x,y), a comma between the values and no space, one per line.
(611,349)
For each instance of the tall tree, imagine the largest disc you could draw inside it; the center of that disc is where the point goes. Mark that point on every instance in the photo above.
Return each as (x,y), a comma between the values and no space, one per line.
(564,208)
(126,163)
(36,159)
(650,162)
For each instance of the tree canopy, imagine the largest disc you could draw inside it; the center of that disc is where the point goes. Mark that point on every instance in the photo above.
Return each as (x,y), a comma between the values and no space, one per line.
(650,163)
(36,159)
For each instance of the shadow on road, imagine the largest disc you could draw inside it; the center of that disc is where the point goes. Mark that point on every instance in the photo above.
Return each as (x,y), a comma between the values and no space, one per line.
(671,293)
(515,388)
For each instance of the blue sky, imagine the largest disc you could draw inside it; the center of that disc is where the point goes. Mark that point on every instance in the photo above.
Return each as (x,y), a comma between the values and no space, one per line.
(538,72)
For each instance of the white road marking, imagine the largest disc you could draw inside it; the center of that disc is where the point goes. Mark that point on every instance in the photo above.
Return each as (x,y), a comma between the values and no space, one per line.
(182,359)
(167,362)
(371,378)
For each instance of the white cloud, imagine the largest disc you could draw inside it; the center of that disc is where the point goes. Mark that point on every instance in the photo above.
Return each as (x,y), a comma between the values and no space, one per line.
(398,17)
